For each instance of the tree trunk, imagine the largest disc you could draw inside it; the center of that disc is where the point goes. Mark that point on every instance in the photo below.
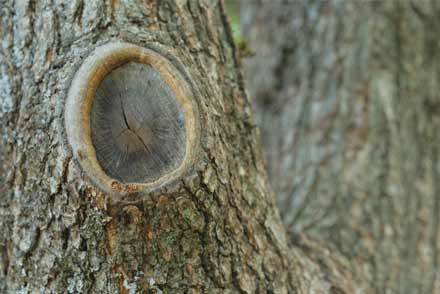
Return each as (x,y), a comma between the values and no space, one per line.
(346,93)
(215,229)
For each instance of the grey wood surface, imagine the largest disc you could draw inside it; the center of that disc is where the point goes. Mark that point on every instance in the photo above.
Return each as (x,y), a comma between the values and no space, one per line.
(138,128)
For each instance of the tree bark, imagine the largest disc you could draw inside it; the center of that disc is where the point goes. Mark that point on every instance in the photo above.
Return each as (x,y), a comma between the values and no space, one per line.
(215,230)
(346,94)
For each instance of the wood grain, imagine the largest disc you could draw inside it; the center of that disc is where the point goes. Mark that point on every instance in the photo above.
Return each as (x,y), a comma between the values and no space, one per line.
(138,128)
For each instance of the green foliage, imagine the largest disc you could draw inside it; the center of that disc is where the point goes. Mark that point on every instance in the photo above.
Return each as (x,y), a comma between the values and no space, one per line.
(233,11)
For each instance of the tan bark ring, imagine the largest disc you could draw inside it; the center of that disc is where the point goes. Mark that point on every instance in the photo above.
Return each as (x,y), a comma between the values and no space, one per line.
(146,124)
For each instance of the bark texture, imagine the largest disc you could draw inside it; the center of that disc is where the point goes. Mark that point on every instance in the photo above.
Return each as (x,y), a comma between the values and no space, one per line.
(215,231)
(346,93)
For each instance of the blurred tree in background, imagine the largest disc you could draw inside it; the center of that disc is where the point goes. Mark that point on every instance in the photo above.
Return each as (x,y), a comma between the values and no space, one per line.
(346,95)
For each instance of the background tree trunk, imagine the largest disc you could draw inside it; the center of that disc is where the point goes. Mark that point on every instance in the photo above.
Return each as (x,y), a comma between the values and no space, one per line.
(216,230)
(346,93)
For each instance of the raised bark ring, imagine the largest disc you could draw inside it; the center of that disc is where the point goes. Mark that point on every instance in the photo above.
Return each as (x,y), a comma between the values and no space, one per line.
(157,114)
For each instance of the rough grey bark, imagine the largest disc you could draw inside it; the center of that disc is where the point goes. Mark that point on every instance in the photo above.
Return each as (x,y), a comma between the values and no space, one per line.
(216,230)
(346,93)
